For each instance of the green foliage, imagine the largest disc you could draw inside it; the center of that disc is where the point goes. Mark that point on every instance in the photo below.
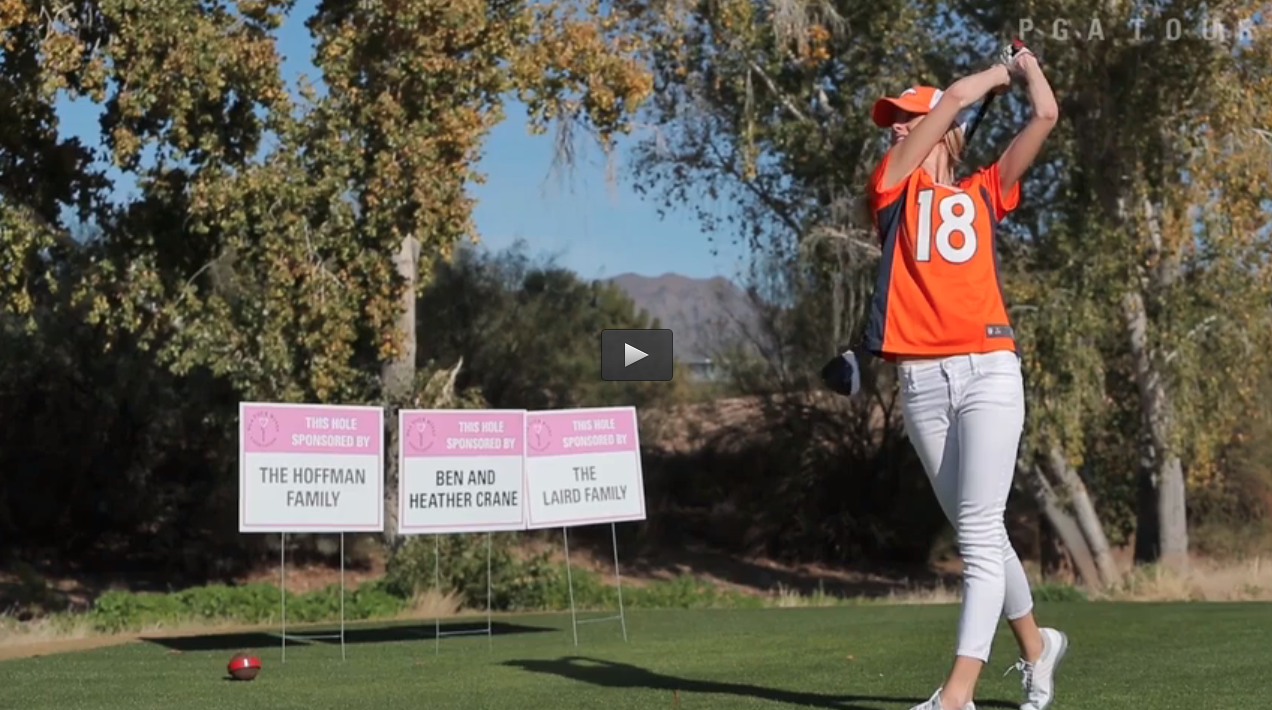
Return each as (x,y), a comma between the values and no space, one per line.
(686,592)
(150,453)
(1159,211)
(531,582)
(261,602)
(368,601)
(1057,592)
(1232,514)
(260,239)
(413,568)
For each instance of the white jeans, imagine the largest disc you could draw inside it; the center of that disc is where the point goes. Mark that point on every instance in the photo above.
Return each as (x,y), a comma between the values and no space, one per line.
(964,414)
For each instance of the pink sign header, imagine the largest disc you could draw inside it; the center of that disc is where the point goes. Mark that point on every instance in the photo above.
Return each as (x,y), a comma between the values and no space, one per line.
(461,432)
(311,429)
(581,431)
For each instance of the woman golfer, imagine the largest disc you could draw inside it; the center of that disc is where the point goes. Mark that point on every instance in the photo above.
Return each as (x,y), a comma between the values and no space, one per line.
(938,313)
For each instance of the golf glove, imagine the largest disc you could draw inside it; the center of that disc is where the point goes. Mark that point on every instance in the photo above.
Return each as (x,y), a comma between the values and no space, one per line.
(1007,56)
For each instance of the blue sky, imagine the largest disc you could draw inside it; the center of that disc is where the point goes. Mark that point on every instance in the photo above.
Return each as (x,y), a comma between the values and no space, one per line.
(597,229)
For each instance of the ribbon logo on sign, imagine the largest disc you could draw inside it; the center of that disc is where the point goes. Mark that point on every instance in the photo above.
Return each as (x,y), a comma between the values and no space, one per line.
(262,429)
(421,435)
(540,435)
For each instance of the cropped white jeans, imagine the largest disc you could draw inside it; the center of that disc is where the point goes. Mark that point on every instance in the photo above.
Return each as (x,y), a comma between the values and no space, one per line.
(964,414)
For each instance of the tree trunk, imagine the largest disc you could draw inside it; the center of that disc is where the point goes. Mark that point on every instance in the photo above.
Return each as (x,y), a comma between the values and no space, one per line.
(1087,519)
(1052,556)
(1063,524)
(398,381)
(1147,540)
(1168,470)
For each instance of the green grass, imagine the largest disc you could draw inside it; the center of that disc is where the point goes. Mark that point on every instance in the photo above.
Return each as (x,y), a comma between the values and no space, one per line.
(1123,656)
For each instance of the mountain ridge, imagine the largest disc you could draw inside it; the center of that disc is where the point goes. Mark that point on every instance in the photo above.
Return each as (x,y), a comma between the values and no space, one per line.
(702,313)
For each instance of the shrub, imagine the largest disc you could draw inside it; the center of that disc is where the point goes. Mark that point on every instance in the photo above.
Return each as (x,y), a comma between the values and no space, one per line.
(260,602)
(1057,592)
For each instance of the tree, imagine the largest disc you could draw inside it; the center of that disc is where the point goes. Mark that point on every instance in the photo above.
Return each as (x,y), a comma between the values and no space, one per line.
(1161,218)
(1066,394)
(413,89)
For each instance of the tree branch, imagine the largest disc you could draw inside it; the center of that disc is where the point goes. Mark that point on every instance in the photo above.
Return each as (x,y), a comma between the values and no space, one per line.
(816,234)
(777,93)
(1203,325)
(766,199)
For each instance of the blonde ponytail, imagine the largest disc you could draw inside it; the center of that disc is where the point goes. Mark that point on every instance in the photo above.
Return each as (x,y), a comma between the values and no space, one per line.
(954,143)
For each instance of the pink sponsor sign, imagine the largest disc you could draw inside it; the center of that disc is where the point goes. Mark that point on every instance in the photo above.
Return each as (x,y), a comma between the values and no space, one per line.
(468,433)
(583,467)
(581,431)
(310,467)
(462,470)
(310,429)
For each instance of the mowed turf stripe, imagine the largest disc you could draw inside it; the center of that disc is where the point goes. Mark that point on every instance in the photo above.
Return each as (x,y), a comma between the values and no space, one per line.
(1124,657)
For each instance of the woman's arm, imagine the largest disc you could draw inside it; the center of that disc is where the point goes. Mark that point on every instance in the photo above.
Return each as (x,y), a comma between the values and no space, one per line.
(907,155)
(1026,145)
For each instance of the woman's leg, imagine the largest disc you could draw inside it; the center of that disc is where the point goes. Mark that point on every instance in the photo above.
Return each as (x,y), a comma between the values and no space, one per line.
(933,430)
(940,460)
(1018,607)
(990,411)
(1041,649)
(1028,636)
(935,433)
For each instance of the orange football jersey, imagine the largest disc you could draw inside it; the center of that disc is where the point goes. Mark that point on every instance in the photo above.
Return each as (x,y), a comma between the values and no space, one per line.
(938,292)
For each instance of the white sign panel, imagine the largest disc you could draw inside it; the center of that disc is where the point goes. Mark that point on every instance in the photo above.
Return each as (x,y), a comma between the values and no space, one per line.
(583,467)
(462,470)
(310,468)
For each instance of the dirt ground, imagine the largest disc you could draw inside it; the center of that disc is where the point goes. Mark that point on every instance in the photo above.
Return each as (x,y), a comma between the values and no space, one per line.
(47,648)
(88,643)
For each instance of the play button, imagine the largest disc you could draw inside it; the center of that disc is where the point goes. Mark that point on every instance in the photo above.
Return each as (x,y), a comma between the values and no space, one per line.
(631,355)
(636,355)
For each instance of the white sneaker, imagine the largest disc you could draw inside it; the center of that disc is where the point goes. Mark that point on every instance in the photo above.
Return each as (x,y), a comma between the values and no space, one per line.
(1039,677)
(934,703)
